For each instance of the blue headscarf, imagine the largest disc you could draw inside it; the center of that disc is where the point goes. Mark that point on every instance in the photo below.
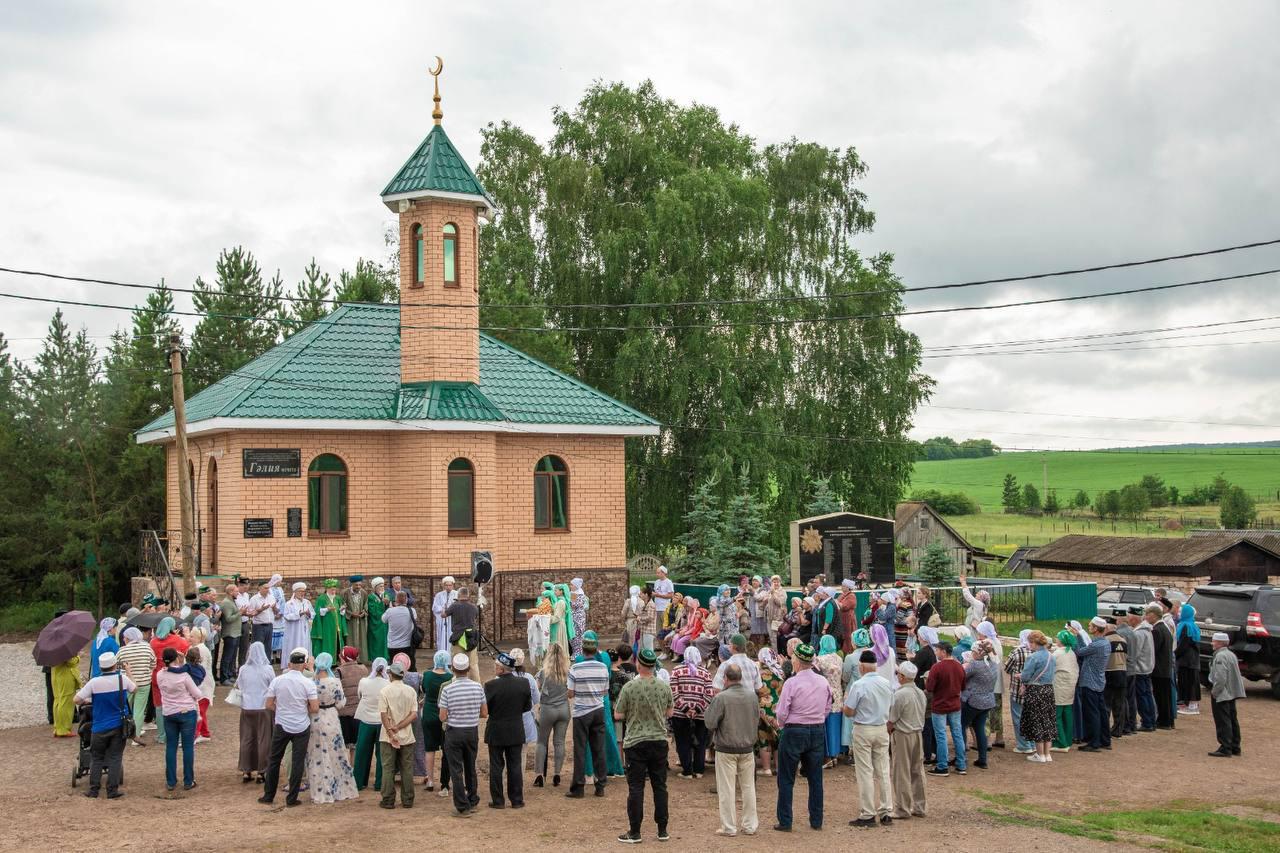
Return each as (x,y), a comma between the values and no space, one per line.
(1187,624)
(441,660)
(324,663)
(723,591)
(166,625)
(827,645)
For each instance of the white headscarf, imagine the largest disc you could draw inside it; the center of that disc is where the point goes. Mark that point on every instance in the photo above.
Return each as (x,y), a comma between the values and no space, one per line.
(1022,637)
(576,584)
(927,635)
(104,629)
(988,630)
(635,598)
(275,580)
(692,659)
(257,657)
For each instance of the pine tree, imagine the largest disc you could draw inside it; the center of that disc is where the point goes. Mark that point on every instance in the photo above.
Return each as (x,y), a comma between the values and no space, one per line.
(310,300)
(743,534)
(823,500)
(1011,499)
(936,566)
(702,561)
(241,321)
(369,283)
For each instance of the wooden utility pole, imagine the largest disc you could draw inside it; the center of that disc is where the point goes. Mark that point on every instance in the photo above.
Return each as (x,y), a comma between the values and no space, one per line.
(186,501)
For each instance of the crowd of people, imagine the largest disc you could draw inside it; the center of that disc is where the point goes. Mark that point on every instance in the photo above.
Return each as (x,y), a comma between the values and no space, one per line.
(742,683)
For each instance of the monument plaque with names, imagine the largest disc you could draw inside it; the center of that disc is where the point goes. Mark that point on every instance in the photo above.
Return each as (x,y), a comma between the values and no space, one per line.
(294,521)
(844,545)
(259,528)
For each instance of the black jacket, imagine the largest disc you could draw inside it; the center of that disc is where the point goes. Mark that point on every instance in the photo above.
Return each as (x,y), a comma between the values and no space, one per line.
(1162,641)
(508,697)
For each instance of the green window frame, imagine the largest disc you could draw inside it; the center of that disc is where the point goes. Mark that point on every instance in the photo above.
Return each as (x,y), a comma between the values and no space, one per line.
(551,494)
(419,258)
(450,255)
(462,496)
(327,496)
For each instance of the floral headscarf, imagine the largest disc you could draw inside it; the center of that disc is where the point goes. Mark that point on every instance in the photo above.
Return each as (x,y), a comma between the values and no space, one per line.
(988,630)
(104,629)
(441,660)
(769,658)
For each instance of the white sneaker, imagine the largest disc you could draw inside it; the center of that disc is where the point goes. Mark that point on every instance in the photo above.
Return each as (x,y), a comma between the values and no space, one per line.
(203,739)
(443,792)
(1036,757)
(1048,759)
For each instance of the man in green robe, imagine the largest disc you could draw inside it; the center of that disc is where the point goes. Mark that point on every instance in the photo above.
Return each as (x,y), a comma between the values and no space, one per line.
(326,628)
(355,608)
(376,606)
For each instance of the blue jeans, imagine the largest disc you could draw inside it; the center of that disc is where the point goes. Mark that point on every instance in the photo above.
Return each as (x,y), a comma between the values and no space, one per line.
(1015,711)
(971,717)
(230,656)
(942,722)
(1146,700)
(1097,730)
(803,747)
(180,726)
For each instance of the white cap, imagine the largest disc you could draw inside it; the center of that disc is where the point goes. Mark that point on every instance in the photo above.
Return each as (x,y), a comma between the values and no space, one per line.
(106,660)
(299,585)
(449,579)
(907,669)
(461,663)
(662,569)
(1098,622)
(377,582)
(306,653)
(1218,637)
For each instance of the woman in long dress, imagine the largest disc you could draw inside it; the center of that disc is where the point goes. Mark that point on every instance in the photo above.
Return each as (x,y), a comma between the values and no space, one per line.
(376,606)
(432,729)
(255,720)
(561,623)
(329,774)
(370,722)
(66,681)
(829,665)
(579,603)
(771,678)
(631,619)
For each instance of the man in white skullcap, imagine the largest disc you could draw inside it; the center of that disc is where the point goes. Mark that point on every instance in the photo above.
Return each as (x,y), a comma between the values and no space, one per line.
(298,613)
(444,625)
(906,750)
(1225,687)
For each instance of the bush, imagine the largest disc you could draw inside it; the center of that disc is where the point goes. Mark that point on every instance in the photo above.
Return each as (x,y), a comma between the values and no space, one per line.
(27,617)
(954,503)
(1238,510)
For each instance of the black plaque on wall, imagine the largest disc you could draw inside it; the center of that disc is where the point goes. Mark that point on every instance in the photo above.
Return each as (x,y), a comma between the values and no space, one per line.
(294,514)
(845,545)
(259,528)
(272,462)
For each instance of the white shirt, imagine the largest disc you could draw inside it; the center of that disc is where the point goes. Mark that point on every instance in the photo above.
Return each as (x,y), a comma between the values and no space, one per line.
(663,588)
(750,673)
(266,616)
(242,601)
(292,691)
(369,689)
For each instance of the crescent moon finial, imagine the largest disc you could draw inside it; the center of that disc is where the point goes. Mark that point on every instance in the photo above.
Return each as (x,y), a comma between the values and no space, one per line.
(436,113)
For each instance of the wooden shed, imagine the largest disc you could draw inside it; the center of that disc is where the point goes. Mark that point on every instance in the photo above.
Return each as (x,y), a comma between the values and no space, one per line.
(916,524)
(1181,563)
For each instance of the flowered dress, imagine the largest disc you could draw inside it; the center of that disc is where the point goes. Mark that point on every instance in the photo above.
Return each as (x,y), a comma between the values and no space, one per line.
(329,774)
(578,605)
(767,734)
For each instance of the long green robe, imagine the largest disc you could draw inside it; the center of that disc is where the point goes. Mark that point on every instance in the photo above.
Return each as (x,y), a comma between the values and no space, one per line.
(377,628)
(326,630)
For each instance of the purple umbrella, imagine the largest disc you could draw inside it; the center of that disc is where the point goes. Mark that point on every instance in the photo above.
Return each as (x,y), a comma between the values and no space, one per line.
(64,637)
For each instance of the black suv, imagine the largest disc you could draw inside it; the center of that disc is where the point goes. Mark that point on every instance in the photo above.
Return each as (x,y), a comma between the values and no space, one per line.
(1250,614)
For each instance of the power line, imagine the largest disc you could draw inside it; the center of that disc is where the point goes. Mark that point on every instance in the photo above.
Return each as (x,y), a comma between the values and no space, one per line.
(698,302)
(1078,351)
(676,326)
(1095,417)
(1128,333)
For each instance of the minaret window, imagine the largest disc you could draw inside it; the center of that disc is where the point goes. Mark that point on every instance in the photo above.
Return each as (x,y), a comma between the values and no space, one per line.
(419,258)
(450,255)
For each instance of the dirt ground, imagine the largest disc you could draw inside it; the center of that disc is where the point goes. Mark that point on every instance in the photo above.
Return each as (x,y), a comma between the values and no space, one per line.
(43,811)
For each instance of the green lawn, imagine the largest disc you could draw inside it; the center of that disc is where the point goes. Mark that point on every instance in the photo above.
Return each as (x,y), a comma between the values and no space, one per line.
(1258,472)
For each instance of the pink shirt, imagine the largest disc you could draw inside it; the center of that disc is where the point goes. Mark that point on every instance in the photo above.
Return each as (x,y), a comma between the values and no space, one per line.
(178,693)
(805,699)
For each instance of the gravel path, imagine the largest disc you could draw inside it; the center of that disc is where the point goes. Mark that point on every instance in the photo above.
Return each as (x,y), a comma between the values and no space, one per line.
(23,703)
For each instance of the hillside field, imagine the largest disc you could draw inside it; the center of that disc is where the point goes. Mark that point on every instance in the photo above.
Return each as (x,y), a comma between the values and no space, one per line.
(1257,471)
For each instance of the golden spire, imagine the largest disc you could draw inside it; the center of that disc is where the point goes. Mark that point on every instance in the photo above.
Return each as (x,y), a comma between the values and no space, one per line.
(435,73)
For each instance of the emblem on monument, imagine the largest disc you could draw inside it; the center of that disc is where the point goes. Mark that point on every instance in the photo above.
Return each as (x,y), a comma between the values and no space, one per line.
(811,540)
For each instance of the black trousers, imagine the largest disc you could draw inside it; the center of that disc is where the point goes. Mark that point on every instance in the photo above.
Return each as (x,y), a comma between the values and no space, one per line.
(1118,706)
(506,758)
(1163,690)
(691,744)
(1097,728)
(106,752)
(1131,706)
(588,730)
(646,760)
(1225,724)
(279,740)
(229,666)
(460,748)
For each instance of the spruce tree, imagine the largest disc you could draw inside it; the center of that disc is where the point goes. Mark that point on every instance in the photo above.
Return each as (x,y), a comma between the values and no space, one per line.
(240,322)
(368,283)
(309,301)
(1011,498)
(702,561)
(823,500)
(743,534)
(936,567)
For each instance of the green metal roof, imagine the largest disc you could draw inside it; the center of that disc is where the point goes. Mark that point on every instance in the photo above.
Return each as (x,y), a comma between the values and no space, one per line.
(347,366)
(436,166)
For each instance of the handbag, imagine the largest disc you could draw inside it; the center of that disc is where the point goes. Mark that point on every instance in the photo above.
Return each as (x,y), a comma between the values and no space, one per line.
(235,697)
(935,620)
(128,728)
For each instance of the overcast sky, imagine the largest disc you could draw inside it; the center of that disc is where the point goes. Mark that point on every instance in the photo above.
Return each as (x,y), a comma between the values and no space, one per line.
(138,139)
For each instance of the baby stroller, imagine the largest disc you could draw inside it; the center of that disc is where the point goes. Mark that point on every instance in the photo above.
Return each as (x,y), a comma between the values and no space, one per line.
(85,757)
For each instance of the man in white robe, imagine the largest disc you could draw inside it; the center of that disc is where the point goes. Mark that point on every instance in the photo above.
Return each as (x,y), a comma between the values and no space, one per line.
(439,604)
(298,613)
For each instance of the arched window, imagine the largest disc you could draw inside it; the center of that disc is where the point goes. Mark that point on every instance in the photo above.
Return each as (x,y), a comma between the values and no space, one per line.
(327,496)
(419,258)
(475,261)
(450,255)
(551,494)
(462,496)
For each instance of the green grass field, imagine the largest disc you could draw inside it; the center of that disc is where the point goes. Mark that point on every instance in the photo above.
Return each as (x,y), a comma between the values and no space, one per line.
(1257,471)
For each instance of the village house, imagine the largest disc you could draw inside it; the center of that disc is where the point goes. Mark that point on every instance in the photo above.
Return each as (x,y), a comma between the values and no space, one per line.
(398,439)
(1176,563)
(916,525)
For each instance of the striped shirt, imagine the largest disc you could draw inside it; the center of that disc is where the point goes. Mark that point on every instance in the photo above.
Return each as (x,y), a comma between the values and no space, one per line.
(589,682)
(462,698)
(139,662)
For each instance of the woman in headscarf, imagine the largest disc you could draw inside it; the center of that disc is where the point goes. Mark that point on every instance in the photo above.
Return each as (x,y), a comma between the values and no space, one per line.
(164,637)
(995,720)
(1013,666)
(888,612)
(553,713)
(924,659)
(631,619)
(376,606)
(104,642)
(691,693)
(329,774)
(828,664)
(671,623)
(612,755)
(978,696)
(1066,669)
(775,610)
(977,610)
(432,729)
(413,680)
(848,604)
(350,671)
(694,614)
(707,639)
(1187,656)
(255,720)
(579,604)
(370,721)
(1038,715)
(138,662)
(826,616)
(886,657)
(964,641)
(757,604)
(65,678)
(771,678)
(726,608)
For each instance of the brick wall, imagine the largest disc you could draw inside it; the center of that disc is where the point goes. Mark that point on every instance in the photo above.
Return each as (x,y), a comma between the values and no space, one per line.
(428,354)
